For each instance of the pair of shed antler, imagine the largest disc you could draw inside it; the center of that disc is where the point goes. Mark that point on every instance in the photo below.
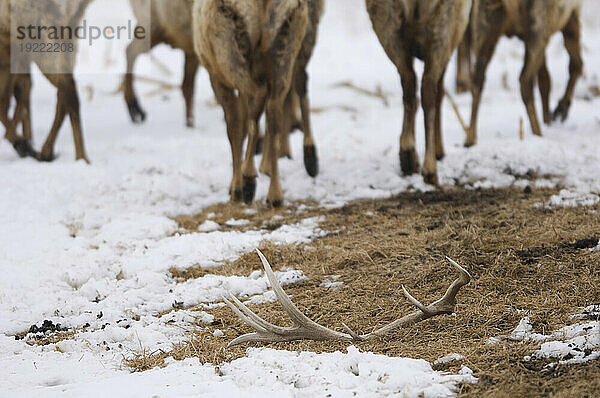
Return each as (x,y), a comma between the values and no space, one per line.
(306,329)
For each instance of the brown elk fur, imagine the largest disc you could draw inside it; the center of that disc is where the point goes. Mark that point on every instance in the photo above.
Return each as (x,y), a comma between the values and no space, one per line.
(256,53)
(63,14)
(429,30)
(171,23)
(19,87)
(534,22)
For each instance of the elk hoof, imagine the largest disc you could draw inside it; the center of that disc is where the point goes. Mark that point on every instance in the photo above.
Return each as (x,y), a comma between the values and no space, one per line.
(259,146)
(470,143)
(440,156)
(136,112)
(249,189)
(409,162)
(275,204)
(547,118)
(236,195)
(46,156)
(431,178)
(84,158)
(562,110)
(24,149)
(189,122)
(311,161)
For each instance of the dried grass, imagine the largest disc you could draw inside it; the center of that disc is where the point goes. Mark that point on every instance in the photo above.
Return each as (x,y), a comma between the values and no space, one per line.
(516,252)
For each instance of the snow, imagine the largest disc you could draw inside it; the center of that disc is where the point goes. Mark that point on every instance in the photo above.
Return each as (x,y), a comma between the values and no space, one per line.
(263,373)
(573,344)
(331,281)
(449,358)
(568,198)
(93,244)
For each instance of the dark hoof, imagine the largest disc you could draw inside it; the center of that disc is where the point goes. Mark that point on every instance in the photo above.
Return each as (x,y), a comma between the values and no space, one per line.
(562,111)
(249,189)
(469,144)
(440,157)
(259,146)
(236,195)
(431,179)
(547,119)
(44,157)
(276,204)
(409,162)
(136,112)
(311,160)
(24,149)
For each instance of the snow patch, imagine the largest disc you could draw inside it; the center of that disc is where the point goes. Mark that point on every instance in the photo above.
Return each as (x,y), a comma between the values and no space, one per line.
(573,344)
(449,358)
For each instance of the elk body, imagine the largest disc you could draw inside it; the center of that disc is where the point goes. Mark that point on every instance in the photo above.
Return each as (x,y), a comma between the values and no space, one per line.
(52,13)
(170,23)
(256,53)
(429,30)
(534,22)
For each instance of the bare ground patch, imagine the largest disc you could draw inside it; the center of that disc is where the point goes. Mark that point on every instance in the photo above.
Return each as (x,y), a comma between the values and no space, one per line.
(522,258)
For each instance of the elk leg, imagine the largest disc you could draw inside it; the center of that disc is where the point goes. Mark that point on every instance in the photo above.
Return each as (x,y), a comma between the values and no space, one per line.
(544,85)
(280,69)
(233,118)
(311,159)
(5,95)
(47,153)
(534,57)
(134,49)
(265,144)
(484,57)
(429,94)
(67,103)
(409,161)
(464,65)
(72,107)
(255,107)
(25,114)
(188,85)
(22,92)
(274,115)
(571,35)
(284,150)
(439,140)
(296,119)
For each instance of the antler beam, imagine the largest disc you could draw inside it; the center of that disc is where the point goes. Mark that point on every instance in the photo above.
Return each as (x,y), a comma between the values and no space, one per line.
(306,329)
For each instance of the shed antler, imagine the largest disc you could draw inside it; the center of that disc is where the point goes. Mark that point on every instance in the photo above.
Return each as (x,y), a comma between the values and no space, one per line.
(306,329)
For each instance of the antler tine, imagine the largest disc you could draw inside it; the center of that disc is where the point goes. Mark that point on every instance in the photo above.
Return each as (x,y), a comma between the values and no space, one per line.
(414,301)
(297,317)
(265,331)
(463,280)
(304,328)
(445,305)
(246,317)
(352,333)
(261,324)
